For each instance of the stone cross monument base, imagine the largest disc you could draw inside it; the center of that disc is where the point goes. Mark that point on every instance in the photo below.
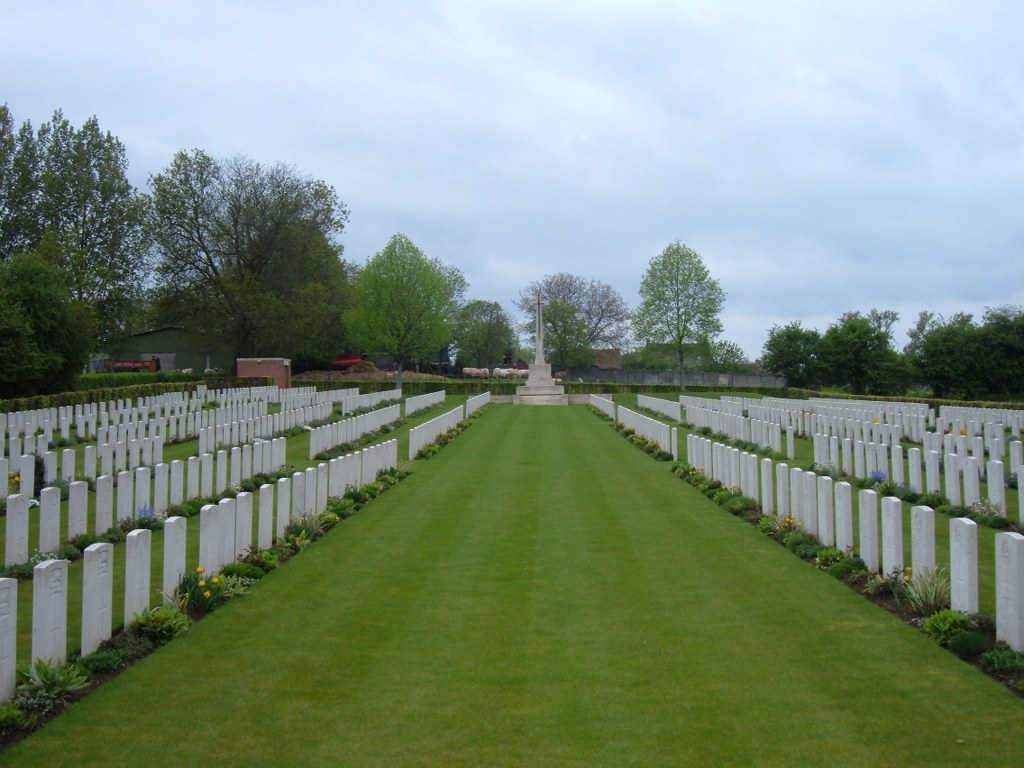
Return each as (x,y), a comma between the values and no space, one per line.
(540,388)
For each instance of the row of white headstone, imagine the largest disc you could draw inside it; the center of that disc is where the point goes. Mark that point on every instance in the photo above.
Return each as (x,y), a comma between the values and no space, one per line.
(350,430)
(146,489)
(476,402)
(225,534)
(427,432)
(422,402)
(823,509)
(650,429)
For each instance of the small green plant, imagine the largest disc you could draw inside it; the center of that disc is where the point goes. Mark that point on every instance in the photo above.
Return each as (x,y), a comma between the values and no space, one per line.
(264,559)
(828,556)
(946,624)
(51,678)
(894,583)
(802,545)
(970,644)
(104,660)
(161,625)
(14,718)
(1003,660)
(928,592)
(198,592)
(243,570)
(848,566)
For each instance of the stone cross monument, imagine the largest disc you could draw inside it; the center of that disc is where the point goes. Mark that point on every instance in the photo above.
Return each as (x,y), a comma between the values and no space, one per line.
(540,387)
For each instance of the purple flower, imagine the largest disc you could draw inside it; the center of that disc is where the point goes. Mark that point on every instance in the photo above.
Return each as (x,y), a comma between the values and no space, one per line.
(877,476)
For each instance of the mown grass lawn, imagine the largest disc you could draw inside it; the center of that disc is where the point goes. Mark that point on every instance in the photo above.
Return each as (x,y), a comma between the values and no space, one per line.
(541,593)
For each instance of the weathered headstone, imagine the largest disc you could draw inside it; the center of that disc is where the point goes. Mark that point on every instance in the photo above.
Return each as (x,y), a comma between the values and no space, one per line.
(963,565)
(844,517)
(97,595)
(922,541)
(136,573)
(265,525)
(1010,589)
(8,635)
(175,539)
(49,519)
(50,611)
(892,535)
(826,512)
(78,511)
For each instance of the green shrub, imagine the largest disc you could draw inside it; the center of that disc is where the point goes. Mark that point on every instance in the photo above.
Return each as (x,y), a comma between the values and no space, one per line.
(199,593)
(828,556)
(134,646)
(161,625)
(802,545)
(264,559)
(243,570)
(928,592)
(970,644)
(104,660)
(946,624)
(51,678)
(14,718)
(1003,660)
(846,567)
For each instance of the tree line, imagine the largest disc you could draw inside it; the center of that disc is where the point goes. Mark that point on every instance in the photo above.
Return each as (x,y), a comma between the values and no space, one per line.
(247,258)
(956,357)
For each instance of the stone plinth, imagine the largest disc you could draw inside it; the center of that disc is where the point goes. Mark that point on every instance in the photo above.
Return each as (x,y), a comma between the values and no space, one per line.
(540,388)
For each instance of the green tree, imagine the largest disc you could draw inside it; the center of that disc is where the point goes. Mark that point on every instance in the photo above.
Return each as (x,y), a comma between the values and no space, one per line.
(1001,343)
(602,310)
(565,336)
(483,334)
(948,357)
(856,353)
(247,256)
(794,353)
(45,335)
(71,185)
(680,302)
(728,357)
(404,304)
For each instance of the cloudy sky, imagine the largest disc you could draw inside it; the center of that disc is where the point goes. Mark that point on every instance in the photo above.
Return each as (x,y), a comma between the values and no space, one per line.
(821,156)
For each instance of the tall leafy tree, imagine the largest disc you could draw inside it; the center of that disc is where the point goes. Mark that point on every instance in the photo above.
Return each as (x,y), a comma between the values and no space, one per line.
(45,335)
(602,310)
(242,248)
(565,336)
(71,185)
(404,303)
(858,354)
(484,335)
(680,302)
(794,353)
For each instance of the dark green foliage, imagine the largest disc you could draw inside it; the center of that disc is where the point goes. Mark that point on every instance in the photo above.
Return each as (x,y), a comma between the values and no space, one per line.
(161,625)
(104,660)
(135,646)
(946,624)
(1003,660)
(50,678)
(243,570)
(802,545)
(14,718)
(970,644)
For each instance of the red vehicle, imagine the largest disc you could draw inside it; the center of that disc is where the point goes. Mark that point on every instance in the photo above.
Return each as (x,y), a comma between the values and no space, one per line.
(341,362)
(135,365)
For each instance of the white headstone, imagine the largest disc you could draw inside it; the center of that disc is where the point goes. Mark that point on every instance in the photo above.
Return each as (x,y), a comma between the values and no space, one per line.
(50,611)
(1010,589)
(175,533)
(136,573)
(892,535)
(844,517)
(963,565)
(8,634)
(826,512)
(49,519)
(104,504)
(922,541)
(78,511)
(97,595)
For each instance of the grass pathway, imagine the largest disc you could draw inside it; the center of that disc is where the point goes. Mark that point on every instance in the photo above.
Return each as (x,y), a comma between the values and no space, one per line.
(542,593)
